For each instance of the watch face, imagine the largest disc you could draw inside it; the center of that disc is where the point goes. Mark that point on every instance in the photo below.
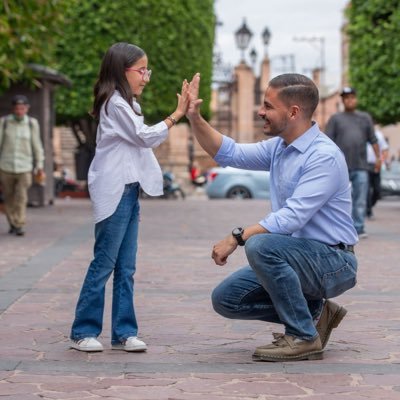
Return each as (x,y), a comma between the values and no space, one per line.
(237,231)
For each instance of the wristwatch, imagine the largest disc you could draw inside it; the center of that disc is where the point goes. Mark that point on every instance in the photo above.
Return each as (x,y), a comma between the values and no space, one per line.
(237,234)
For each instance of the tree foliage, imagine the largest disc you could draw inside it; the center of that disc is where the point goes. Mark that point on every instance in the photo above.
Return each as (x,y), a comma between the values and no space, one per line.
(374,31)
(28,29)
(176,35)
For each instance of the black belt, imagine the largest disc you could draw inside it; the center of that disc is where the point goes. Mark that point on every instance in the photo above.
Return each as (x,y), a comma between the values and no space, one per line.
(342,246)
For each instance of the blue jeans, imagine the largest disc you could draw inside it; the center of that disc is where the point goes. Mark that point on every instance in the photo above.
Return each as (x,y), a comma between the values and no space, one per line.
(359,192)
(286,282)
(114,251)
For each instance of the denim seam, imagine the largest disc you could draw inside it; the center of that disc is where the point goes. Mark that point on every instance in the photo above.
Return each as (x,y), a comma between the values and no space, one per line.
(134,214)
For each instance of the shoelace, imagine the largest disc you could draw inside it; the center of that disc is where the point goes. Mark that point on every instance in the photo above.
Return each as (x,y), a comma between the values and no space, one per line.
(280,339)
(277,336)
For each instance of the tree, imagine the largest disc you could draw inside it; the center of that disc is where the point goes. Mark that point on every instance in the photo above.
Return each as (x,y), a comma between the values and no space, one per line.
(28,30)
(374,31)
(176,35)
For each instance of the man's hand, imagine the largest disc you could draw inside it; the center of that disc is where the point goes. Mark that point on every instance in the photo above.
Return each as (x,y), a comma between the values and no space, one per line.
(194,101)
(378,165)
(223,249)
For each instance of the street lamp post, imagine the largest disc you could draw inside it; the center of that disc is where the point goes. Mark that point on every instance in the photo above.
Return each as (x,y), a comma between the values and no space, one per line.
(243,36)
(253,57)
(266,36)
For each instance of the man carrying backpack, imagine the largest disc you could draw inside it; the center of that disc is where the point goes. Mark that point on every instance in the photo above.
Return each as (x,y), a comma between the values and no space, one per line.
(21,152)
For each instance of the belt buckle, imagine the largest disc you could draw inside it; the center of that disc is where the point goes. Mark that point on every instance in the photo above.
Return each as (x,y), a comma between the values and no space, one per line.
(346,247)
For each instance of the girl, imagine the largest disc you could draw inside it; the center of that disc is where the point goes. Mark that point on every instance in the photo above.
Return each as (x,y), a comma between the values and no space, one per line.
(123,162)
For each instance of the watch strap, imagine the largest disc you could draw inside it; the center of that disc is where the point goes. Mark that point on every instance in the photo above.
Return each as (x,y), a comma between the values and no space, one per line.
(238,236)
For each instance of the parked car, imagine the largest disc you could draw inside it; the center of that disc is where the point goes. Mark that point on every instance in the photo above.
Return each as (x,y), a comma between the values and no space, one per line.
(233,183)
(390,180)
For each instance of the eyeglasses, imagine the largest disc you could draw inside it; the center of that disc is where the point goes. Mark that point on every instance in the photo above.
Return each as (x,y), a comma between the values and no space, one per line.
(146,73)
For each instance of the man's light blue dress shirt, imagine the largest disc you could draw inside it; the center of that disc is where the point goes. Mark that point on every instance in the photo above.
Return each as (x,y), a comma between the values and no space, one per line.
(309,185)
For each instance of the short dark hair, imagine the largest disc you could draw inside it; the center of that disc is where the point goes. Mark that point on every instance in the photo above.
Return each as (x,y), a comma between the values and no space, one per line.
(297,89)
(19,99)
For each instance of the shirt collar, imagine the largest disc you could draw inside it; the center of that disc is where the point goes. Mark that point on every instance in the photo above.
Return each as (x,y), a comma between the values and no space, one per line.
(303,142)
(25,118)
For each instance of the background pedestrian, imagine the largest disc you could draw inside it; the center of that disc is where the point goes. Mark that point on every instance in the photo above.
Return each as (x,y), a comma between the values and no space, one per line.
(374,190)
(351,130)
(21,152)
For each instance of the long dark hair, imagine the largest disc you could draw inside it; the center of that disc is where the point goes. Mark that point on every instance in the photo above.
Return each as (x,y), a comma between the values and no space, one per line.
(112,75)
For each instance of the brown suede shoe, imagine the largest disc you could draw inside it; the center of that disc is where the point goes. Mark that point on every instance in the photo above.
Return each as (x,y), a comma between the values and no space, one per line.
(289,348)
(331,316)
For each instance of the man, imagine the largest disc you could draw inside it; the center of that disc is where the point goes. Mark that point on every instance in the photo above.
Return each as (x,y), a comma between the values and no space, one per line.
(302,252)
(374,191)
(20,149)
(351,130)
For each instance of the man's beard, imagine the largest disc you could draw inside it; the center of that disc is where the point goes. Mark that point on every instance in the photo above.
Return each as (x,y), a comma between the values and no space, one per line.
(274,130)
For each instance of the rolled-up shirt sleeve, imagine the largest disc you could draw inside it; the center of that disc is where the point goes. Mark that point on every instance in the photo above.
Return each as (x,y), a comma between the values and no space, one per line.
(252,156)
(131,128)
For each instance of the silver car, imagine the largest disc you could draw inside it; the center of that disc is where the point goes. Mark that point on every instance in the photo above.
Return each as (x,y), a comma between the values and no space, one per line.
(233,183)
(390,180)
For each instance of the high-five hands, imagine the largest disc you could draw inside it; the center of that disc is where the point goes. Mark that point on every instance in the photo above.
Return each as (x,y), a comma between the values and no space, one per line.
(188,100)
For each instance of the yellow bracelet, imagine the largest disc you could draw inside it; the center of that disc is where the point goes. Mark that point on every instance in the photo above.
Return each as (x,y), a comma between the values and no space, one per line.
(172,119)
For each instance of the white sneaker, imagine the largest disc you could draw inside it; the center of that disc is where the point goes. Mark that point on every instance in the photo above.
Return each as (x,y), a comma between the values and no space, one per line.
(87,344)
(132,343)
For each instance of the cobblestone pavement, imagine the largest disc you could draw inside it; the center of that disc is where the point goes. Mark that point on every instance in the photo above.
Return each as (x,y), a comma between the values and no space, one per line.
(193,353)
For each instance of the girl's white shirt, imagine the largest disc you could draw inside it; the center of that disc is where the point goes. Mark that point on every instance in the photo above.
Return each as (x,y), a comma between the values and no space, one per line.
(123,155)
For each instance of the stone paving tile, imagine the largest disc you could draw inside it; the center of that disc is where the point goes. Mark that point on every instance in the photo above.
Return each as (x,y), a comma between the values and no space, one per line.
(24,397)
(22,389)
(193,353)
(160,386)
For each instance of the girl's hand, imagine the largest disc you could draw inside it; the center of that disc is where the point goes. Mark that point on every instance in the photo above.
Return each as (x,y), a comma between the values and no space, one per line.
(183,101)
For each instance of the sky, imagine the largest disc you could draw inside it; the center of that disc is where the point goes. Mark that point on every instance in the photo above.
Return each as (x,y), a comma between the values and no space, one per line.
(286,20)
